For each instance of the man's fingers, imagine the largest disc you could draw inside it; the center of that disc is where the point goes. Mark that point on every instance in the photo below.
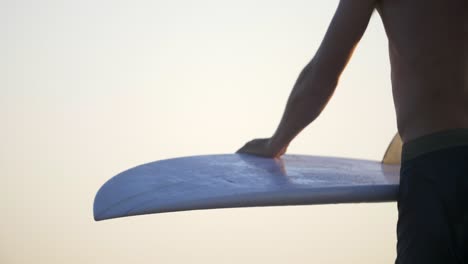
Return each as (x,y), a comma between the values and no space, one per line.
(256,147)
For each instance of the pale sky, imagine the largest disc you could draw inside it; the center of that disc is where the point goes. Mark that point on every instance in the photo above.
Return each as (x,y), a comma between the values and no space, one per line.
(92,88)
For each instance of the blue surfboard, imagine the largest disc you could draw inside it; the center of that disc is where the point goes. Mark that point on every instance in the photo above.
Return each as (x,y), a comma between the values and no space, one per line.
(241,180)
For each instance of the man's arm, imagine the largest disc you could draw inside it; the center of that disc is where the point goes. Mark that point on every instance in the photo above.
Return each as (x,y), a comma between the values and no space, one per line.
(317,81)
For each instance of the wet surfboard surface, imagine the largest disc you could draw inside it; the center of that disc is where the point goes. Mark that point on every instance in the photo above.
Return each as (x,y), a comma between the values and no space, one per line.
(241,180)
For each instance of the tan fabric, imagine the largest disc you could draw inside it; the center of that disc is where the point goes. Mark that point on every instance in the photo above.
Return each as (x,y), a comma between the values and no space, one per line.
(393,153)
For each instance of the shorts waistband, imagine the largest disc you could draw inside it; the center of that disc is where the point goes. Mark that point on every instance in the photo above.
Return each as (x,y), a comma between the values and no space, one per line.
(434,142)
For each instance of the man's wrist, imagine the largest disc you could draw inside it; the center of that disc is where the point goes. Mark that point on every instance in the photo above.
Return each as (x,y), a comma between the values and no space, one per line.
(276,144)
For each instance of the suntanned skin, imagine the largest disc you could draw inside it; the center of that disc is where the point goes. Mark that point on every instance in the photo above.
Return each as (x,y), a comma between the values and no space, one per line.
(428,53)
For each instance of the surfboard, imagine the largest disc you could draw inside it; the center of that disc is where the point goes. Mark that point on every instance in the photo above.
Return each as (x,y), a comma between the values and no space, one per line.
(242,180)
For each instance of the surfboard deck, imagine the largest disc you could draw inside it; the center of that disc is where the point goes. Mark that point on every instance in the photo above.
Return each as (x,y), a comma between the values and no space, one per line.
(242,180)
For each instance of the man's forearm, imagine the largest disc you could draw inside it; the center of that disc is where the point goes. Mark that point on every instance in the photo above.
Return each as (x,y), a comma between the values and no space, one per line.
(318,80)
(309,96)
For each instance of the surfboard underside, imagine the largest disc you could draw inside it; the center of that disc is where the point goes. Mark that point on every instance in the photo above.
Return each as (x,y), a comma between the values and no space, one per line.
(240,180)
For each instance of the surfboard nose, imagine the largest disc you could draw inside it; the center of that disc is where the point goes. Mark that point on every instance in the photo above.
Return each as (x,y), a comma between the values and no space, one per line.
(98,208)
(108,197)
(105,203)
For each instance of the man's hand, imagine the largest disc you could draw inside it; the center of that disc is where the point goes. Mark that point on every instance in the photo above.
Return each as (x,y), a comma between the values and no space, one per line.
(262,147)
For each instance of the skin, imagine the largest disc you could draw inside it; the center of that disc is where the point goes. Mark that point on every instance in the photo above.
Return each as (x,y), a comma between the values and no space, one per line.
(428,42)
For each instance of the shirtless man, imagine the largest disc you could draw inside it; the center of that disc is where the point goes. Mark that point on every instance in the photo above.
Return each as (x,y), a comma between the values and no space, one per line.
(428,44)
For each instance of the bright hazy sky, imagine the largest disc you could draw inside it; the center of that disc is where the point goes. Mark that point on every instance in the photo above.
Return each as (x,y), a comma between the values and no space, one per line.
(91,88)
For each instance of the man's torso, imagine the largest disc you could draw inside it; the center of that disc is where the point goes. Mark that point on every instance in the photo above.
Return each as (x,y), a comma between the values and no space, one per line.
(428,46)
